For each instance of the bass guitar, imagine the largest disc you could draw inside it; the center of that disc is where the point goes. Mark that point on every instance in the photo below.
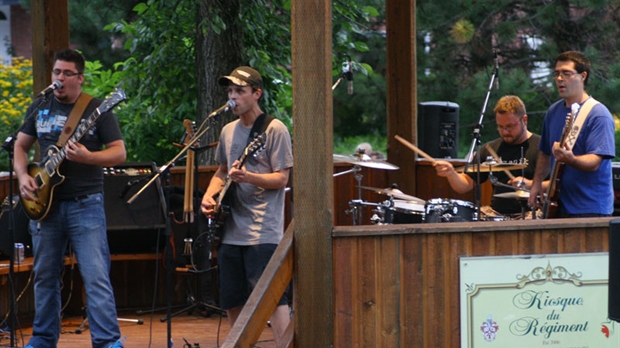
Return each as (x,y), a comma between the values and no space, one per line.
(45,172)
(223,201)
(550,203)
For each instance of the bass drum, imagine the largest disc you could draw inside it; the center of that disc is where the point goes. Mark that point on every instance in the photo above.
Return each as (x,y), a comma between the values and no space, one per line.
(449,210)
(404,212)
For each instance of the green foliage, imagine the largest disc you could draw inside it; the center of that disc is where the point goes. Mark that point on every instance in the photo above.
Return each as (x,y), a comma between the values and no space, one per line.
(15,97)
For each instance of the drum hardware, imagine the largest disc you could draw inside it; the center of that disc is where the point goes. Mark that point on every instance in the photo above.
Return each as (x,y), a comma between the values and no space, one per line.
(355,210)
(522,196)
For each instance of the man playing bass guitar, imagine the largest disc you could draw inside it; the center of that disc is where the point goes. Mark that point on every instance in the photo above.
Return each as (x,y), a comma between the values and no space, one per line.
(255,224)
(584,188)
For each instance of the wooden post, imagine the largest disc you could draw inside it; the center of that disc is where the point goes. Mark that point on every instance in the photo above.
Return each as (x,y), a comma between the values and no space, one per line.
(50,33)
(312,181)
(401,90)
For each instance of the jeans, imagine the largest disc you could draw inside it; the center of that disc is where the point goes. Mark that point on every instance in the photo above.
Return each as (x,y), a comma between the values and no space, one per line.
(80,221)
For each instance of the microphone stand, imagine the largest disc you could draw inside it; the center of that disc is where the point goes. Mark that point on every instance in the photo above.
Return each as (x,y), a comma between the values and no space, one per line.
(168,257)
(9,147)
(475,142)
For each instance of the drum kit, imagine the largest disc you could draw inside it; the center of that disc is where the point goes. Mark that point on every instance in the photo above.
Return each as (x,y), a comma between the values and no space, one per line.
(401,208)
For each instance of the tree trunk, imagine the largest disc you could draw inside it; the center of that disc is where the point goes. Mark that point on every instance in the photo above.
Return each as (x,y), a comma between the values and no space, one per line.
(217,54)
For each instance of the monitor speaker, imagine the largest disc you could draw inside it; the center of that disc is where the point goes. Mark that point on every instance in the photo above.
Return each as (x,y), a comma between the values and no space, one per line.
(438,129)
(20,228)
(139,226)
(613,298)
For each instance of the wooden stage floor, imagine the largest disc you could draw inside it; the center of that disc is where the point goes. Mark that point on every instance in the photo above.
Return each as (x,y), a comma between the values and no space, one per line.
(195,328)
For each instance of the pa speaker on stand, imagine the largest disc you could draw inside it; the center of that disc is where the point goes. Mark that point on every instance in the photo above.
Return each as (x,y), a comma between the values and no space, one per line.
(613,298)
(438,128)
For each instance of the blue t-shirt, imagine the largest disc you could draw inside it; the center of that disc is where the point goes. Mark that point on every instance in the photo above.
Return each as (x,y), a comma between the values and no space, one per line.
(583,192)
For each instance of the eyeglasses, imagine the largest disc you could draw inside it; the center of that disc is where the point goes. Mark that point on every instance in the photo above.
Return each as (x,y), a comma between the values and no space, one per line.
(508,128)
(67,73)
(566,74)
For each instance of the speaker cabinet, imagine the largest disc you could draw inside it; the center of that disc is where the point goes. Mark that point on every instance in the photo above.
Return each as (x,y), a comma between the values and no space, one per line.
(139,226)
(20,228)
(438,128)
(614,270)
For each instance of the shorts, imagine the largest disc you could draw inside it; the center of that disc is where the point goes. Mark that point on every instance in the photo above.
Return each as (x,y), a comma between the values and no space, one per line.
(240,269)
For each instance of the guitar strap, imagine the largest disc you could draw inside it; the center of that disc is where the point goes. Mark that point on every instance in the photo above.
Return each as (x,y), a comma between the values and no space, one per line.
(579,121)
(259,126)
(73,119)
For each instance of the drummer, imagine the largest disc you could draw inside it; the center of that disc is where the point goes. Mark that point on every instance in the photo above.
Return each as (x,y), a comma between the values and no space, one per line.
(514,143)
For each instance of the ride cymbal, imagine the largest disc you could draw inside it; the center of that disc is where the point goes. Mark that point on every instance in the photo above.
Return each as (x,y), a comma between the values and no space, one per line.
(520,195)
(396,193)
(364,161)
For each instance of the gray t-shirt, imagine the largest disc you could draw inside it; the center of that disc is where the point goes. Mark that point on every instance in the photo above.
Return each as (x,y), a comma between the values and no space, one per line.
(256,214)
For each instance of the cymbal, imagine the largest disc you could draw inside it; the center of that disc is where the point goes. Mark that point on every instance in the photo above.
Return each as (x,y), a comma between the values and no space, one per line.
(396,193)
(364,161)
(491,167)
(520,195)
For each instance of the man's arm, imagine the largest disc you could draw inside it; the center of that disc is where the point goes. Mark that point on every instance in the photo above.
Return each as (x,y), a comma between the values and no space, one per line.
(215,186)
(542,171)
(585,163)
(27,184)
(113,154)
(275,180)
(460,182)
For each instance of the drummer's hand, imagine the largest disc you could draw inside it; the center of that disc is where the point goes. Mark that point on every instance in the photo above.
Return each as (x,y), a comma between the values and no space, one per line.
(443,168)
(536,195)
(520,182)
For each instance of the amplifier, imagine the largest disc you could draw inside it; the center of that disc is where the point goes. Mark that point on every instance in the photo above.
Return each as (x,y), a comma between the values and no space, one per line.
(615,170)
(133,227)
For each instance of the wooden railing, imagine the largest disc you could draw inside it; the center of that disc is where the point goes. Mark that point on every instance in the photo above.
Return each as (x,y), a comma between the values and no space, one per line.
(264,299)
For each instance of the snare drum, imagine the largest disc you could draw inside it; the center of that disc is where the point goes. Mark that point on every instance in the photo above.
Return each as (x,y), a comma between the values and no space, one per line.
(404,212)
(449,210)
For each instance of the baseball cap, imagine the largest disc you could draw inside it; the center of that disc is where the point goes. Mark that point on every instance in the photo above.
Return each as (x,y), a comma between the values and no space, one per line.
(242,76)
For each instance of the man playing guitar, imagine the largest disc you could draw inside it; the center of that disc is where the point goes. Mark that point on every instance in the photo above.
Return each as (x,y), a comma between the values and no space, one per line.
(585,186)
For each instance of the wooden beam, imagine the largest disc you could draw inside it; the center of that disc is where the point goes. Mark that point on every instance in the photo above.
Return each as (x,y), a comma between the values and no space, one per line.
(401,90)
(50,33)
(313,182)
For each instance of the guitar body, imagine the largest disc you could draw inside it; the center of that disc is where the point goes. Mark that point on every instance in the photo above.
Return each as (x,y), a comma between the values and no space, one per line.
(223,209)
(550,204)
(47,180)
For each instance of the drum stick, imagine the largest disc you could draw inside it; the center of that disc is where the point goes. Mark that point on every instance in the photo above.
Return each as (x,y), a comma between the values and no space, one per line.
(496,157)
(415,149)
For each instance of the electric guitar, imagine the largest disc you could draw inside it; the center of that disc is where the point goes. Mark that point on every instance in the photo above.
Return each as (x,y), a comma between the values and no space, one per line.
(550,203)
(224,198)
(45,172)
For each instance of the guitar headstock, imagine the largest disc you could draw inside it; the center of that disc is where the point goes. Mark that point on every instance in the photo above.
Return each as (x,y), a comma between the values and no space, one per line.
(115,98)
(256,146)
(190,130)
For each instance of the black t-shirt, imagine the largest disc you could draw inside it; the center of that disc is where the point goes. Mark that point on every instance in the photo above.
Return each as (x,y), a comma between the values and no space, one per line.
(510,154)
(47,124)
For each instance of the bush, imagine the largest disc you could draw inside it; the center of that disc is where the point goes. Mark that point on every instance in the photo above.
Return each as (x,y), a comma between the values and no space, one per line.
(15,97)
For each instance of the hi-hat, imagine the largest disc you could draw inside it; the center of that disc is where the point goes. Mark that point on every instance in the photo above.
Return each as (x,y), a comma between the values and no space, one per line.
(364,161)
(396,193)
(520,194)
(487,167)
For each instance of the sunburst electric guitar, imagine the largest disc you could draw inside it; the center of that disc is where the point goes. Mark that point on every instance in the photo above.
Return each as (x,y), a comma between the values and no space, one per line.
(550,203)
(224,198)
(45,172)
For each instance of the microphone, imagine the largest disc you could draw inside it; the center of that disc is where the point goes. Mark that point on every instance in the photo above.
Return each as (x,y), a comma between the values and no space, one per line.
(50,88)
(229,105)
(347,71)
(496,82)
